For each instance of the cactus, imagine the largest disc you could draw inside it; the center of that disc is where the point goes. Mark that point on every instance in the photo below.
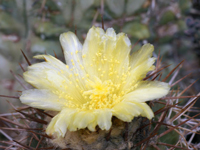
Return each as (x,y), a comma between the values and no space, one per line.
(34,27)
(170,127)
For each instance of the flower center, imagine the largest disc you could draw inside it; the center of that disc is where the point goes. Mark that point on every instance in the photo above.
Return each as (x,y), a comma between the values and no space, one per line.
(102,95)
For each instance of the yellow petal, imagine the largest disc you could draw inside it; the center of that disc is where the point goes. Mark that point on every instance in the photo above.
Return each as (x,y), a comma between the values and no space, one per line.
(92,125)
(57,78)
(42,99)
(104,118)
(147,111)
(126,111)
(51,63)
(73,55)
(140,64)
(50,130)
(83,119)
(72,49)
(148,90)
(138,73)
(141,55)
(60,122)
(36,75)
(105,55)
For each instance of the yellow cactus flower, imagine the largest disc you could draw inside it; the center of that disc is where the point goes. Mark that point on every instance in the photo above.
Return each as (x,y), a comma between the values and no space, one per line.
(101,80)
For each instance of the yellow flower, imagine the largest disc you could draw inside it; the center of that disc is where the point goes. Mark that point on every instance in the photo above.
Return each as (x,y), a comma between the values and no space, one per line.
(101,80)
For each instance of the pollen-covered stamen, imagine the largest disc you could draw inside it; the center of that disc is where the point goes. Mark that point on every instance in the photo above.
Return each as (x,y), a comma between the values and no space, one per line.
(102,95)
(95,94)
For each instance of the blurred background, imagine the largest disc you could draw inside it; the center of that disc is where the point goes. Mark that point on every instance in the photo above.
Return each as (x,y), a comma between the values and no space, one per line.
(172,26)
